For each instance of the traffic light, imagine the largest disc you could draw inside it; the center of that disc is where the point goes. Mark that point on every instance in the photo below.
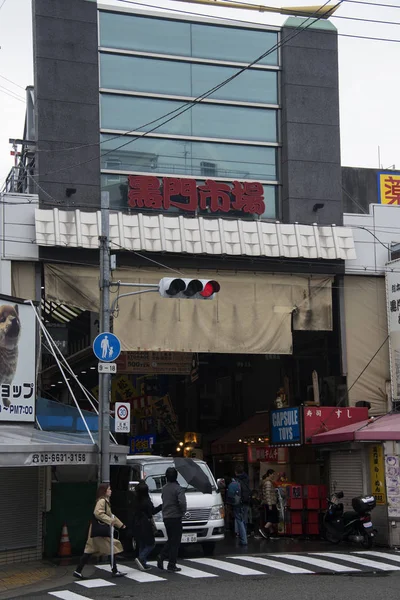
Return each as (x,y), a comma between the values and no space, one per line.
(197,289)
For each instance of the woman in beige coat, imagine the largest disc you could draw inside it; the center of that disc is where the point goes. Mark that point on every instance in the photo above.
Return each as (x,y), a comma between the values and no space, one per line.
(102,545)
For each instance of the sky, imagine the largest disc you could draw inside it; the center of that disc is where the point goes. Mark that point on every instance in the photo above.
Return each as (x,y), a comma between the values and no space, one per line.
(368,72)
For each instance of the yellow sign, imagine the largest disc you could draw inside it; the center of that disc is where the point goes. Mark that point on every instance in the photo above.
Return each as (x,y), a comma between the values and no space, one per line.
(377,470)
(389,187)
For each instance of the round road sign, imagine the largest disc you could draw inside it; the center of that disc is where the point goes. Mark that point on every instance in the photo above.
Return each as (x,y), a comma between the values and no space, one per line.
(122,412)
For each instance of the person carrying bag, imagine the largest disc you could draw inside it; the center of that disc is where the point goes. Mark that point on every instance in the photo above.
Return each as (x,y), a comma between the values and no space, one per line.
(100,532)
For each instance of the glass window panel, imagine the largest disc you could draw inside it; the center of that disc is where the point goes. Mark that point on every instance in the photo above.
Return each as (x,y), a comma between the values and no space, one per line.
(168,156)
(117,186)
(131,32)
(233,44)
(185,79)
(166,36)
(131,113)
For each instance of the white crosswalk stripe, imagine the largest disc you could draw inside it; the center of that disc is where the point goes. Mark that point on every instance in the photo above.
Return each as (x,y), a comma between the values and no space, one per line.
(267,565)
(66,595)
(140,576)
(190,572)
(274,564)
(384,555)
(324,564)
(358,560)
(94,583)
(225,566)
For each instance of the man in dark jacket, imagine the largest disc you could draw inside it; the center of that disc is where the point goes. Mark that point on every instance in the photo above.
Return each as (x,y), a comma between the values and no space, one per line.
(173,508)
(244,481)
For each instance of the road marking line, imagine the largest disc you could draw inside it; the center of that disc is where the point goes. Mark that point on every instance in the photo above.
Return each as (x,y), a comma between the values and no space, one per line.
(190,572)
(224,566)
(318,562)
(361,561)
(95,583)
(140,576)
(66,595)
(385,555)
(266,562)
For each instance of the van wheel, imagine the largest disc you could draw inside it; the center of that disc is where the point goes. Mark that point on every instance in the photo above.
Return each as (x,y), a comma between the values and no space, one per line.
(208,548)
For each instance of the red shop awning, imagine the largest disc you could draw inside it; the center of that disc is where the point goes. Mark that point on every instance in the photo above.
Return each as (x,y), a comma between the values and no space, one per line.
(382,429)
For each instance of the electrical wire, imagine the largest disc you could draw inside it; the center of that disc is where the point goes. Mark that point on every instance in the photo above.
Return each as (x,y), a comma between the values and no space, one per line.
(3,91)
(13,82)
(371,3)
(189,105)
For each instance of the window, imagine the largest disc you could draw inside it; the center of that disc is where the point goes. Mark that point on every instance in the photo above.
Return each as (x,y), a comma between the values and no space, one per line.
(169,156)
(171,77)
(129,113)
(182,38)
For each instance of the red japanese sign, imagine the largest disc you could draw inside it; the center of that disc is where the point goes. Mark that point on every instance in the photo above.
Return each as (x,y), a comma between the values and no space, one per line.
(325,418)
(147,191)
(267,454)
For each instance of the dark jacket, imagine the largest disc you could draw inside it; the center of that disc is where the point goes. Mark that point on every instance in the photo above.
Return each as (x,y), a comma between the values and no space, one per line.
(143,511)
(244,481)
(173,501)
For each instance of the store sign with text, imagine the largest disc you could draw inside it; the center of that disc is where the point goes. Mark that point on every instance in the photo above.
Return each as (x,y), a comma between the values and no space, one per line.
(150,192)
(285,427)
(141,444)
(272,454)
(155,363)
(393,308)
(377,473)
(389,187)
(325,418)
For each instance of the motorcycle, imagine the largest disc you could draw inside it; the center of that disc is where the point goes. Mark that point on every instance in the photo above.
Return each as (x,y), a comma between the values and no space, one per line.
(352,526)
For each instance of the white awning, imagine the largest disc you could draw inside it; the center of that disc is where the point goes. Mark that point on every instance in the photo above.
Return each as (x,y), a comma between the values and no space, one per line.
(182,235)
(24,446)
(252,314)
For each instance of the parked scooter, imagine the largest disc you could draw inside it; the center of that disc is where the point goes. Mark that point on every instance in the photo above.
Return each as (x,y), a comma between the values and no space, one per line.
(353,526)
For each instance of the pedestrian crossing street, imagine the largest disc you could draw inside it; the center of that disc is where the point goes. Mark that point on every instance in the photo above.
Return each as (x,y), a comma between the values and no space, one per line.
(242,566)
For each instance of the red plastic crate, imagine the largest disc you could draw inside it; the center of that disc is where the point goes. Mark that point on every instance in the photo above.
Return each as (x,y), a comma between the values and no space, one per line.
(312,503)
(312,529)
(323,491)
(312,517)
(311,491)
(295,517)
(295,503)
(294,529)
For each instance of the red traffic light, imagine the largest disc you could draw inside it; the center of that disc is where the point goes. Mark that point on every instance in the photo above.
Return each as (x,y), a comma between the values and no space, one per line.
(210,288)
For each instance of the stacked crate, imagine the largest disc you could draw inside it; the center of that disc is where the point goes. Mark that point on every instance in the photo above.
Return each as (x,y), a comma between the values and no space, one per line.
(312,507)
(294,510)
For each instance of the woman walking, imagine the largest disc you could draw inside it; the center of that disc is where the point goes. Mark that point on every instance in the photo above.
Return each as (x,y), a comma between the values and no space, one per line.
(270,507)
(101,544)
(143,527)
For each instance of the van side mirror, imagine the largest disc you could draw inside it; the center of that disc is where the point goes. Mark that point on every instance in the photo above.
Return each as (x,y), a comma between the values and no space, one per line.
(221,484)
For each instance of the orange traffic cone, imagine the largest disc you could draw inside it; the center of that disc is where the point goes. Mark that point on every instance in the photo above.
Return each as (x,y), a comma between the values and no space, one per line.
(64,549)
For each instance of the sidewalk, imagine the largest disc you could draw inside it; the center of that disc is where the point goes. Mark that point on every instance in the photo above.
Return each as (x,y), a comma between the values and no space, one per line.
(20,579)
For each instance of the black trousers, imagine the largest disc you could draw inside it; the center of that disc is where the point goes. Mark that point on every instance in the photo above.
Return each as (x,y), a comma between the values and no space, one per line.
(174,533)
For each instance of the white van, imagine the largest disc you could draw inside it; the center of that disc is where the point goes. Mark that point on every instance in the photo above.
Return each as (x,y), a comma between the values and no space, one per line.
(204,520)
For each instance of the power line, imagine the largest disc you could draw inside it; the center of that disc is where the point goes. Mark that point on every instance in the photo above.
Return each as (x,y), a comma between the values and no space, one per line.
(203,96)
(3,91)
(2,4)
(13,82)
(371,3)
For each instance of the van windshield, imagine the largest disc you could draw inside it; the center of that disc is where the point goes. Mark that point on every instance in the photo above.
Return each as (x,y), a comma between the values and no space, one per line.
(154,476)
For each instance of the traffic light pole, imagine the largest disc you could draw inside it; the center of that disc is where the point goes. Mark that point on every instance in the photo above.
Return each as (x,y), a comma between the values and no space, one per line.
(104,378)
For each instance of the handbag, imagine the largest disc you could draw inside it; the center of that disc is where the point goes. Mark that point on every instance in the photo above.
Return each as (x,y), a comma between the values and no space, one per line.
(100,529)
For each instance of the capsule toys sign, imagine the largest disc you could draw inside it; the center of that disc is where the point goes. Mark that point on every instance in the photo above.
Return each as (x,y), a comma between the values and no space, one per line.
(285,427)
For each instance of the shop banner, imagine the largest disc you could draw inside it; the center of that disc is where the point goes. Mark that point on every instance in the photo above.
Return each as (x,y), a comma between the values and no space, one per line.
(155,363)
(377,473)
(17,362)
(285,427)
(326,418)
(271,454)
(393,311)
(392,471)
(141,444)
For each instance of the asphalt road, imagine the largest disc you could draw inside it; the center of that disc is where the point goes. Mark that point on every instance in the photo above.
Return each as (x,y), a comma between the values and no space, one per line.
(333,575)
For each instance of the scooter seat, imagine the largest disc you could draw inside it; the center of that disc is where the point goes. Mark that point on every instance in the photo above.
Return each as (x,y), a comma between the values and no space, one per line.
(350,515)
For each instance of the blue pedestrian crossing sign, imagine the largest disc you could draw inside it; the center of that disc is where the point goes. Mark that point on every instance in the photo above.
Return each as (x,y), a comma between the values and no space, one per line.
(107,347)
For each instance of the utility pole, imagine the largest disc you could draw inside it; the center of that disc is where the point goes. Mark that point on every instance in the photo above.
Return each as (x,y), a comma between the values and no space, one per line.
(104,378)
